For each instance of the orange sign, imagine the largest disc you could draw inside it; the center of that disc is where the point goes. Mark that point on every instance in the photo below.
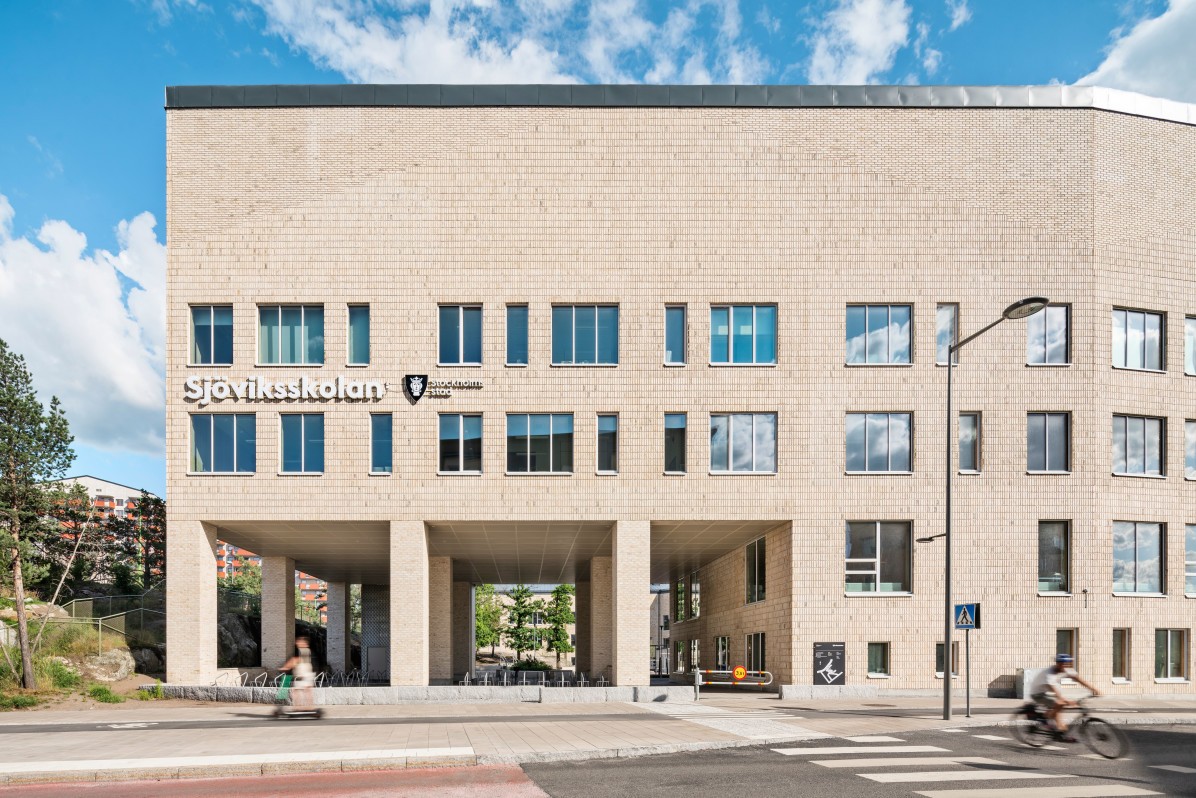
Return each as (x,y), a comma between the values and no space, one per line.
(739,672)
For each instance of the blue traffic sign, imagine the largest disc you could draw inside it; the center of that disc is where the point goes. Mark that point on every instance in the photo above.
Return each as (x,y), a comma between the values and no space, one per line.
(967,616)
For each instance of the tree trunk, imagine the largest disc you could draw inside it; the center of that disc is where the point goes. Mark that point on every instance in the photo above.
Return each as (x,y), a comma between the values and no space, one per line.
(18,583)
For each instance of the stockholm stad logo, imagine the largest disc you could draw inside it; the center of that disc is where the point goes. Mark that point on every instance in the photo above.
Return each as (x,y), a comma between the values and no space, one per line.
(415,384)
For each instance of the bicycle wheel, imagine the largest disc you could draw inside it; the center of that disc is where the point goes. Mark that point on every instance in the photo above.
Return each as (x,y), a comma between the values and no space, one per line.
(1026,731)
(1103,738)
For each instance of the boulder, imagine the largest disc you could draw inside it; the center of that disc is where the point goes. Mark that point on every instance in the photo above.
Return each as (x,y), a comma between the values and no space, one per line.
(147,660)
(111,666)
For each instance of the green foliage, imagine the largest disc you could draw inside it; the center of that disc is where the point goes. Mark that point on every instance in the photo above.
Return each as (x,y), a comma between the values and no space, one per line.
(139,541)
(530,665)
(60,675)
(488,612)
(18,701)
(247,580)
(558,614)
(521,635)
(103,693)
(153,693)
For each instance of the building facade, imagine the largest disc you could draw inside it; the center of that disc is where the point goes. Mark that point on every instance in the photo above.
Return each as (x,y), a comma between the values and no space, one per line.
(424,337)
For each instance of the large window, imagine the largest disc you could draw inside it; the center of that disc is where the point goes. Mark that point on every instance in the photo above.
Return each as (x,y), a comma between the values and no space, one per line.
(679,658)
(1171,654)
(1065,643)
(743,334)
(1054,557)
(743,443)
(722,654)
(585,335)
(755,573)
(223,443)
(878,659)
(460,335)
(754,651)
(1137,340)
(969,442)
(1190,449)
(695,654)
(460,444)
(1137,557)
(290,334)
(211,335)
(381,443)
(1190,560)
(674,443)
(608,444)
(878,557)
(1048,337)
(1121,655)
(516,335)
(1138,446)
(1048,442)
(674,335)
(695,595)
(302,443)
(679,603)
(1190,345)
(359,335)
(946,332)
(938,660)
(878,334)
(540,443)
(879,441)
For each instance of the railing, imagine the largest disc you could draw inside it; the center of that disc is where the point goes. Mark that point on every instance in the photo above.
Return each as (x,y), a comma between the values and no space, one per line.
(105,606)
(733,678)
(140,627)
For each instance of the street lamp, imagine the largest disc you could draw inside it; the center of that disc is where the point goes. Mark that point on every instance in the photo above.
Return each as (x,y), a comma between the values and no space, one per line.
(1021,309)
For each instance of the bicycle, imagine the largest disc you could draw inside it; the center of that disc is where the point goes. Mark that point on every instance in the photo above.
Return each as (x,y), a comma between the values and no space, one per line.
(1030,726)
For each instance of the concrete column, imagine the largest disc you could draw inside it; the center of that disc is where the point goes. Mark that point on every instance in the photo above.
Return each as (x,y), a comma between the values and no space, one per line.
(632,548)
(278,610)
(463,628)
(601,618)
(441,621)
(409,588)
(582,611)
(191,614)
(339,642)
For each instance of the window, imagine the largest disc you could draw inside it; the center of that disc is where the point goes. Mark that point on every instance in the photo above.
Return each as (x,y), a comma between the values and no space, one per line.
(1190,560)
(381,443)
(223,443)
(1137,340)
(674,443)
(679,666)
(946,332)
(1121,655)
(460,444)
(1047,442)
(938,660)
(878,659)
(695,595)
(754,645)
(1054,557)
(516,335)
(608,444)
(302,443)
(878,557)
(1171,654)
(679,609)
(359,335)
(755,571)
(1047,337)
(743,334)
(878,441)
(1190,345)
(540,443)
(460,335)
(969,442)
(878,334)
(722,654)
(1137,557)
(1190,449)
(743,442)
(695,654)
(585,335)
(674,335)
(290,335)
(211,335)
(1138,445)
(1065,643)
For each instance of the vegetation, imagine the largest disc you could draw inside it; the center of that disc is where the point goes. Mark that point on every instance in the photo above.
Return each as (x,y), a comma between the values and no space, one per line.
(20,701)
(103,693)
(558,614)
(247,580)
(488,612)
(530,664)
(152,693)
(521,633)
(59,674)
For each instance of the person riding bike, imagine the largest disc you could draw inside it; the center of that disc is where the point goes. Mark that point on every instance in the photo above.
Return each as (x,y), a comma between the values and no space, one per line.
(1047,692)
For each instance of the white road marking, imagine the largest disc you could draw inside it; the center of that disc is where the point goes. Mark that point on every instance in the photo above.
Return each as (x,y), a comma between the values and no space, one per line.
(1174,768)
(989,737)
(874,738)
(861,749)
(900,761)
(1098,756)
(953,731)
(130,725)
(962,775)
(1098,791)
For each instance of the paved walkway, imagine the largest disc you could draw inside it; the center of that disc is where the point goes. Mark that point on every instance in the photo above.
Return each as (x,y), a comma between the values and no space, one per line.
(166,740)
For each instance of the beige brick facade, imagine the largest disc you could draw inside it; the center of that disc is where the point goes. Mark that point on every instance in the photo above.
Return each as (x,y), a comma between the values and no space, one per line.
(807,209)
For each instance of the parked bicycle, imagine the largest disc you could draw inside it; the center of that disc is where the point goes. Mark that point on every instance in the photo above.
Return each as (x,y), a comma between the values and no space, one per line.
(1030,726)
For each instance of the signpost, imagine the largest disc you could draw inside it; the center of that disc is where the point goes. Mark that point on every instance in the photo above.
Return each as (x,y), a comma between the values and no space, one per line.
(967,617)
(830,663)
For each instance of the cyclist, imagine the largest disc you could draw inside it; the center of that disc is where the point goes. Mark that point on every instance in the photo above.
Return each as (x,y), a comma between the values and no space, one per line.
(1047,692)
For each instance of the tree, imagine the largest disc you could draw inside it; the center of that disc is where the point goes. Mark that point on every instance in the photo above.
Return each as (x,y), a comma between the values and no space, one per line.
(558,614)
(35,448)
(520,614)
(140,539)
(487,615)
(247,580)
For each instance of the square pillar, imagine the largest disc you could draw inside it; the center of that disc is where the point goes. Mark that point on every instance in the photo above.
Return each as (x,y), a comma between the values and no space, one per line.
(278,610)
(409,590)
(464,629)
(441,621)
(631,546)
(191,613)
(340,645)
(582,611)
(602,620)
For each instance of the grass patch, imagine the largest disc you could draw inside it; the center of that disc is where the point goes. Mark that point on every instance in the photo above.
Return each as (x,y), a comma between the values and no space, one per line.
(103,693)
(17,702)
(153,693)
(59,674)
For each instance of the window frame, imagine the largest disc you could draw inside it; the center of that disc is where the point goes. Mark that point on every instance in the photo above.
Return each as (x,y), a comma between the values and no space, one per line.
(526,335)
(1126,643)
(877,560)
(755,652)
(598,433)
(954,306)
(722,653)
(755,362)
(1190,560)
(1190,449)
(349,308)
(303,310)
(977,441)
(680,606)
(460,439)
(191,338)
(884,647)
(1160,446)
(1072,635)
(1162,347)
(684,443)
(302,445)
(461,308)
(1189,345)
(938,653)
(374,471)
(1185,654)
(695,595)
(551,444)
(1046,414)
(572,362)
(684,310)
(888,362)
(888,416)
(731,444)
(1067,558)
(755,564)
(1162,555)
(211,449)
(1044,315)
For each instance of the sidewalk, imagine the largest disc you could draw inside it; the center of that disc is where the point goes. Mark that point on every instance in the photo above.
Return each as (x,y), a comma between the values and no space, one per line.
(164,741)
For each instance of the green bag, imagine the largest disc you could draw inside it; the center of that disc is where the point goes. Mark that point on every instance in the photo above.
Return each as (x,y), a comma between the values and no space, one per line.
(284,689)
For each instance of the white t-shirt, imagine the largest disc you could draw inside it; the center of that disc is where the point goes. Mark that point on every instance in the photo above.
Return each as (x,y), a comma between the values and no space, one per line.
(1049,678)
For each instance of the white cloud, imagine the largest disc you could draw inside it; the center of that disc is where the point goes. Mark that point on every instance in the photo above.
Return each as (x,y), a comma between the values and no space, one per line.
(52,163)
(960,13)
(858,41)
(86,341)
(930,57)
(1156,56)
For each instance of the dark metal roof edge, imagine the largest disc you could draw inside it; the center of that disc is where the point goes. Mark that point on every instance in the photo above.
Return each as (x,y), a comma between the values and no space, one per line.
(432,95)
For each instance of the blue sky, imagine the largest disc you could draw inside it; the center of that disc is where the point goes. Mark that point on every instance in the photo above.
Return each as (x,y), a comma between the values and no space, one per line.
(82,129)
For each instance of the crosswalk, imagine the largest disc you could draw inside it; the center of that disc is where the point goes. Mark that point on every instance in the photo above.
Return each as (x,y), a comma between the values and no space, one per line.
(919,768)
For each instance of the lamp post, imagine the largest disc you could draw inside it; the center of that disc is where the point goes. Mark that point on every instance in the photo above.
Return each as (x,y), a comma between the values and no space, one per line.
(1021,309)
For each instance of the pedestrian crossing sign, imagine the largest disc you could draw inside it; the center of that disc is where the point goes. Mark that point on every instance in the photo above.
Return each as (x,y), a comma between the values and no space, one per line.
(967,616)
